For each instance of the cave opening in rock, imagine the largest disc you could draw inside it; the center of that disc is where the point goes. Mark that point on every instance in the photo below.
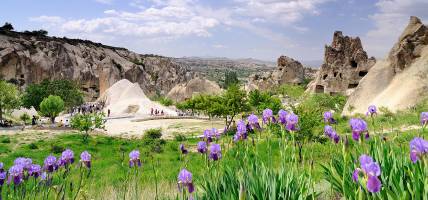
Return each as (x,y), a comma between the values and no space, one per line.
(319,89)
(362,73)
(335,74)
(350,86)
(354,64)
(324,77)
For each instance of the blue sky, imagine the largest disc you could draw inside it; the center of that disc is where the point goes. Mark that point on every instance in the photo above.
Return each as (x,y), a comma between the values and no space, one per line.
(262,29)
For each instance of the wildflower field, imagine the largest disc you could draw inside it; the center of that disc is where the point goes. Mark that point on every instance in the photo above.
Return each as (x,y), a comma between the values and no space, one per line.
(306,152)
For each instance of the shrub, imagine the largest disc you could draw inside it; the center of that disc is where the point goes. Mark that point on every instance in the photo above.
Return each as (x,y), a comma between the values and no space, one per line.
(179,137)
(32,146)
(5,140)
(153,134)
(86,123)
(165,101)
(57,149)
(24,118)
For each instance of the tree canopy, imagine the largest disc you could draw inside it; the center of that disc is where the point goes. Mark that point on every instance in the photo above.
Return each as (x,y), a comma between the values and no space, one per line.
(9,97)
(51,107)
(66,89)
(7,27)
(227,105)
(262,100)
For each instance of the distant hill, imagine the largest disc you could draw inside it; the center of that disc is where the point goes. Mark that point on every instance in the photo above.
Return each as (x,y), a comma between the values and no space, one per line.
(213,68)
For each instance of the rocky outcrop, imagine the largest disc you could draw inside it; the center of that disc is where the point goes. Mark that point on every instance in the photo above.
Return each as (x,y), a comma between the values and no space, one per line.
(195,86)
(288,71)
(345,64)
(26,59)
(399,81)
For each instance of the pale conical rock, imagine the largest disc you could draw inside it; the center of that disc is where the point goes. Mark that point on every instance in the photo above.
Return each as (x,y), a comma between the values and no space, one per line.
(125,98)
(400,81)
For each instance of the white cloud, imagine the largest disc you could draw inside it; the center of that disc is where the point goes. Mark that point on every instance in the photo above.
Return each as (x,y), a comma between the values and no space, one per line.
(389,21)
(279,11)
(173,18)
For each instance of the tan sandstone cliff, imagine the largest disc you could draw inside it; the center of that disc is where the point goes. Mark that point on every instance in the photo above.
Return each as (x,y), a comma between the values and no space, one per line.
(195,86)
(27,58)
(401,80)
(345,64)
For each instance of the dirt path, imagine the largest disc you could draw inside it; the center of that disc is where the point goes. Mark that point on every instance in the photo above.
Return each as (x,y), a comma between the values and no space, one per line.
(127,127)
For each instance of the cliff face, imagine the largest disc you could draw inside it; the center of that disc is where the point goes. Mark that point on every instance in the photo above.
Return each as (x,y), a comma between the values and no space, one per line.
(399,81)
(27,59)
(345,64)
(289,71)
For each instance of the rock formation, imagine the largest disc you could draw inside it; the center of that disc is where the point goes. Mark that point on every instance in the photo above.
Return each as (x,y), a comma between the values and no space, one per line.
(345,64)
(125,98)
(399,81)
(27,58)
(288,71)
(197,85)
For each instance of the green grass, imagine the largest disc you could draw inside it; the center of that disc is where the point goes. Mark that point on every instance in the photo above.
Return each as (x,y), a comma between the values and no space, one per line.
(110,157)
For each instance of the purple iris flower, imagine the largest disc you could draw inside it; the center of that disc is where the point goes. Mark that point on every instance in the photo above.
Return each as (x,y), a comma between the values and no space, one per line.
(241,131)
(328,118)
(16,174)
(50,164)
(424,118)
(202,147)
(358,126)
(372,110)
(292,121)
(418,148)
(336,137)
(134,159)
(1,167)
(34,170)
(328,131)
(3,176)
(282,115)
(370,171)
(183,149)
(24,162)
(185,180)
(215,152)
(67,157)
(215,133)
(253,122)
(85,158)
(208,136)
(267,115)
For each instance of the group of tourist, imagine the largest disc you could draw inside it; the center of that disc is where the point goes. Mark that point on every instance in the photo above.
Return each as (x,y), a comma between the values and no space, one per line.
(156,112)
(87,108)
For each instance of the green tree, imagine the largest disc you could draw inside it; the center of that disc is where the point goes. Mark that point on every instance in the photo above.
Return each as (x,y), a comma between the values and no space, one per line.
(9,97)
(86,123)
(51,107)
(66,89)
(230,78)
(262,100)
(233,102)
(7,27)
